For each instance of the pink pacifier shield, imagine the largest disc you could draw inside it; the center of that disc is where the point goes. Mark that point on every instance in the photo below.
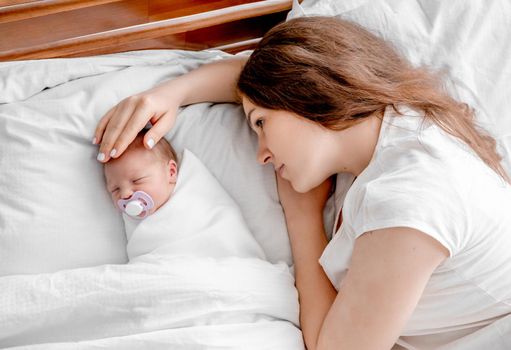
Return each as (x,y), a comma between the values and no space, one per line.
(137,206)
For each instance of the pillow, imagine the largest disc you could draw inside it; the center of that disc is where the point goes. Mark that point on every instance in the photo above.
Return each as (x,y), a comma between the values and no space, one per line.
(220,136)
(466,39)
(54,210)
(200,219)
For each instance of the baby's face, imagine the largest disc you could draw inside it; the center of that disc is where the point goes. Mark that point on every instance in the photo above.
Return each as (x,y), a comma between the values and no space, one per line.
(139,169)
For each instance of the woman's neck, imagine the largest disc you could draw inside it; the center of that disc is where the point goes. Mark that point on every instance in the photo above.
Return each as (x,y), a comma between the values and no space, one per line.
(356,145)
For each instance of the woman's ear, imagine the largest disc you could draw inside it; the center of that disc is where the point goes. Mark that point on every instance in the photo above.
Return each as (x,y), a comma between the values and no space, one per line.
(172,168)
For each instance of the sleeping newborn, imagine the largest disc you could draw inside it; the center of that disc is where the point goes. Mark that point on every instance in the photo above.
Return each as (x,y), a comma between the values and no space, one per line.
(141,180)
(166,215)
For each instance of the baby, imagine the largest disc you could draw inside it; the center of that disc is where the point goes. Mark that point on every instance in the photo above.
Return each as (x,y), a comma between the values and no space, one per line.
(142,180)
(192,215)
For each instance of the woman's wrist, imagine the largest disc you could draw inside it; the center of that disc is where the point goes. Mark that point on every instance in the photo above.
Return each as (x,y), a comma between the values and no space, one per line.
(299,223)
(174,90)
(212,82)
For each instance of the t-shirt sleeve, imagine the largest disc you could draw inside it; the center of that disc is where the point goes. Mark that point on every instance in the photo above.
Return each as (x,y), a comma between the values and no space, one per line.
(417,199)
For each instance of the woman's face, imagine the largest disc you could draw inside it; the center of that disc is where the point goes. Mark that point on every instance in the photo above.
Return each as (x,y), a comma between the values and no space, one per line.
(296,146)
(304,152)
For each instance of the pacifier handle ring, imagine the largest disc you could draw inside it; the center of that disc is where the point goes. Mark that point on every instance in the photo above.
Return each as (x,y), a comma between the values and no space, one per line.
(145,200)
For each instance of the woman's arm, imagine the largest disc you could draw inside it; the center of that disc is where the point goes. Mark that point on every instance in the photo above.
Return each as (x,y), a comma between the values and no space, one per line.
(388,272)
(213,82)
(304,219)
(316,293)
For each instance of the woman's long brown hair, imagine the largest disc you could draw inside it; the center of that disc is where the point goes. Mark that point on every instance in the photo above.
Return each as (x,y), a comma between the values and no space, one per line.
(335,73)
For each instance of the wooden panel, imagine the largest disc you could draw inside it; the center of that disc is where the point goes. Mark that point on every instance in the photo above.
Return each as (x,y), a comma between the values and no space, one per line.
(230,37)
(129,25)
(236,31)
(55,27)
(15,2)
(44,7)
(164,9)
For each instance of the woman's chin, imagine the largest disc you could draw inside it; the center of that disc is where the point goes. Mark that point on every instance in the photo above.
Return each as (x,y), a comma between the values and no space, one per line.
(300,187)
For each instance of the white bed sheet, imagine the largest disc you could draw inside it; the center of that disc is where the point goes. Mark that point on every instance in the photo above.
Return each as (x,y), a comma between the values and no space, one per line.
(54,210)
(65,279)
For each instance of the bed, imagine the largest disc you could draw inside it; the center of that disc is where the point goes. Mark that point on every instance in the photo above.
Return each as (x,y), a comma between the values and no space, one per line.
(65,275)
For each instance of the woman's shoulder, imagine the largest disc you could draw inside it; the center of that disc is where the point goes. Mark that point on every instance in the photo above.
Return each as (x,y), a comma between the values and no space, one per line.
(413,167)
(410,146)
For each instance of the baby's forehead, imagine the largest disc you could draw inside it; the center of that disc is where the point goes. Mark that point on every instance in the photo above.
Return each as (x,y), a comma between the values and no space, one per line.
(130,162)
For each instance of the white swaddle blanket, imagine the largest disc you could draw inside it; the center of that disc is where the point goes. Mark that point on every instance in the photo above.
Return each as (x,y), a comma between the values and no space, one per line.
(196,279)
(199,219)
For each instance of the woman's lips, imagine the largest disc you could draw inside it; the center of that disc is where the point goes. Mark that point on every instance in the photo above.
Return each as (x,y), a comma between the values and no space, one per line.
(280,170)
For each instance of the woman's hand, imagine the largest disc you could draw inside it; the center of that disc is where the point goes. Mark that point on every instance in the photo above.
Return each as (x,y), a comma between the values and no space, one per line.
(212,82)
(121,124)
(297,204)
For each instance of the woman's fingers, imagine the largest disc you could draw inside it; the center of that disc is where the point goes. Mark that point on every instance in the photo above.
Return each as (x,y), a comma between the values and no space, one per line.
(114,128)
(100,128)
(136,122)
(160,127)
(119,127)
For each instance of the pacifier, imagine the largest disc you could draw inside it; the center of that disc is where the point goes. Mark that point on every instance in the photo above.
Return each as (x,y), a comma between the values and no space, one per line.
(137,206)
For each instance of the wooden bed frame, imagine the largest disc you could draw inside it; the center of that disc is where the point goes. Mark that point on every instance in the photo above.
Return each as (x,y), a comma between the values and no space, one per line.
(36,29)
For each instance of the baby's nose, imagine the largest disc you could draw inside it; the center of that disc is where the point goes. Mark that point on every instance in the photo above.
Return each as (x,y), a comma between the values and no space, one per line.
(125,194)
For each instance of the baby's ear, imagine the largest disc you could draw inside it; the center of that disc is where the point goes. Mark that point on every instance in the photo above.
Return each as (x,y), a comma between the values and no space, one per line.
(172,168)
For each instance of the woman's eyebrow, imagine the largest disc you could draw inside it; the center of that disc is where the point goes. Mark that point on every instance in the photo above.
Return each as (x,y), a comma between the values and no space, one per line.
(248,117)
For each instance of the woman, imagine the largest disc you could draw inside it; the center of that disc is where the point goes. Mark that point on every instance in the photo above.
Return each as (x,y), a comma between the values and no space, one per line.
(420,250)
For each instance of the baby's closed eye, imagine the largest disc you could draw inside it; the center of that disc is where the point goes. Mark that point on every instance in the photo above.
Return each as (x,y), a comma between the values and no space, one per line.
(141,179)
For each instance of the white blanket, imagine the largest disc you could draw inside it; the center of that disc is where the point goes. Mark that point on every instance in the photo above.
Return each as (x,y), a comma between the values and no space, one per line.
(154,303)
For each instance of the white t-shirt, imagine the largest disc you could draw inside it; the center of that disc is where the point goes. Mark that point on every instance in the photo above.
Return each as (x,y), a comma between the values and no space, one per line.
(422,178)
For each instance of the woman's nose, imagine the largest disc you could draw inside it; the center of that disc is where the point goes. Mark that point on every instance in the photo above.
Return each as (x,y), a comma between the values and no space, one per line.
(264,155)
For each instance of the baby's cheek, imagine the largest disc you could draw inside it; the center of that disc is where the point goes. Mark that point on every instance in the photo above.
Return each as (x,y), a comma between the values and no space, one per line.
(150,189)
(158,192)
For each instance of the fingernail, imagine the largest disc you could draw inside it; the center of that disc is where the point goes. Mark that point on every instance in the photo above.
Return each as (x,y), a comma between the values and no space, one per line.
(101,157)
(150,143)
(94,141)
(113,152)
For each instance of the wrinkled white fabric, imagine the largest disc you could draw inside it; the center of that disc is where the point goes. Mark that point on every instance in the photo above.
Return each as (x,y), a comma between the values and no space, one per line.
(154,302)
(54,210)
(199,219)
(460,202)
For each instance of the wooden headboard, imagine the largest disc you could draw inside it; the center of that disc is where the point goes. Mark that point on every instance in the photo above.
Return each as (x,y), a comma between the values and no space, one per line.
(35,29)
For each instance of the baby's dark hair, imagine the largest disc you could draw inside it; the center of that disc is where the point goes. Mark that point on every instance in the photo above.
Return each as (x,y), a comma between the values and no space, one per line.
(163,149)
